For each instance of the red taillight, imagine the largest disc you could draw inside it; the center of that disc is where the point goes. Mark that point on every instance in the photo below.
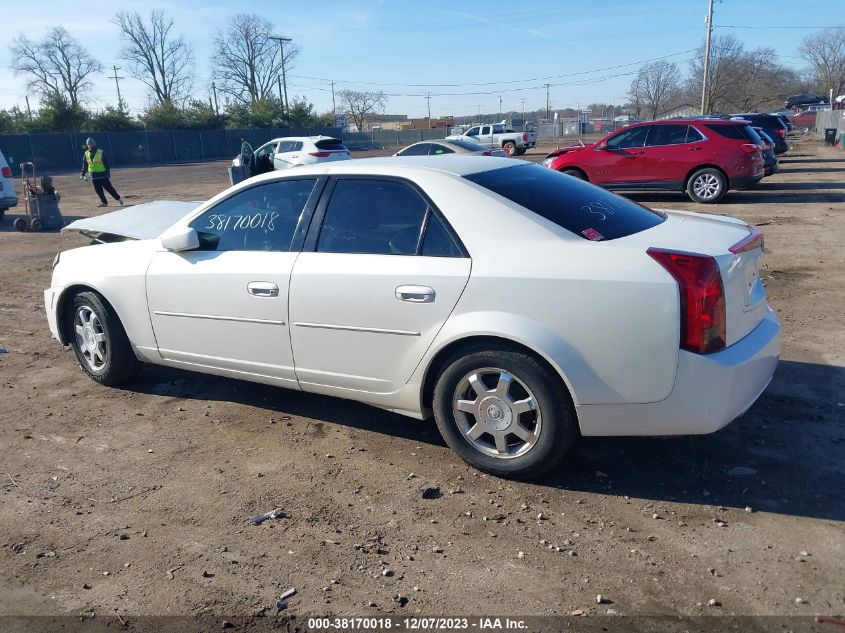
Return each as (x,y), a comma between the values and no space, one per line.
(7,173)
(321,154)
(754,240)
(702,298)
(525,137)
(781,132)
(486,153)
(750,147)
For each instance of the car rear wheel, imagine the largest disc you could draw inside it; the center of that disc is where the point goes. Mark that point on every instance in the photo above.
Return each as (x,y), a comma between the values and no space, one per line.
(575,173)
(510,148)
(503,413)
(99,340)
(707,186)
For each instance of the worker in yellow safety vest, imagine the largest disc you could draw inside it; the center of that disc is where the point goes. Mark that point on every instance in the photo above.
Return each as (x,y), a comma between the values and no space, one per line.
(94,163)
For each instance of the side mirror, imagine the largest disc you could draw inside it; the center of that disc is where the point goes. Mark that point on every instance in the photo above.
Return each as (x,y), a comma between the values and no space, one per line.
(602,146)
(181,239)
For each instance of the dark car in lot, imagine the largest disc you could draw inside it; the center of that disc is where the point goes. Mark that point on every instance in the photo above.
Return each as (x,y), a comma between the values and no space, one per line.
(703,157)
(803,99)
(770,159)
(772,124)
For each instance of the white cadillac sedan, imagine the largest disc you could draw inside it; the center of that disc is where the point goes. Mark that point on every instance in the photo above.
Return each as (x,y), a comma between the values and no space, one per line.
(520,306)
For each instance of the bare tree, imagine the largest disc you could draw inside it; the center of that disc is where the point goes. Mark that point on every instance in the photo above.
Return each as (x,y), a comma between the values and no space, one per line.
(158,58)
(245,63)
(825,51)
(56,65)
(656,86)
(727,57)
(360,104)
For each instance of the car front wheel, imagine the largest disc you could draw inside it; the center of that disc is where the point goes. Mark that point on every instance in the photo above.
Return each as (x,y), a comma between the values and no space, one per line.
(99,340)
(707,186)
(503,413)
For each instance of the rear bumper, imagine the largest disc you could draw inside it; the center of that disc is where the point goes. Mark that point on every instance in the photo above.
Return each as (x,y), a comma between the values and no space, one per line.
(744,182)
(710,390)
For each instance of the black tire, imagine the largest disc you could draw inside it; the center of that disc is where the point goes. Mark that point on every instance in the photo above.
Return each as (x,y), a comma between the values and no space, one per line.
(557,430)
(119,363)
(2,214)
(575,173)
(35,225)
(707,186)
(510,148)
(520,151)
(19,224)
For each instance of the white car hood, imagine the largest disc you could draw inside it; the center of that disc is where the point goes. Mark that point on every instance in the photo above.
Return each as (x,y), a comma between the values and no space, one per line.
(139,222)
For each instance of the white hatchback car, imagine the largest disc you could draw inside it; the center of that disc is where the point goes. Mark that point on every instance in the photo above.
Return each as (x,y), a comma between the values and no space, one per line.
(295,151)
(8,197)
(519,305)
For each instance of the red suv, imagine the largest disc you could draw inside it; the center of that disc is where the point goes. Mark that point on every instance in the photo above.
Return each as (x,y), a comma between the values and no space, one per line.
(704,157)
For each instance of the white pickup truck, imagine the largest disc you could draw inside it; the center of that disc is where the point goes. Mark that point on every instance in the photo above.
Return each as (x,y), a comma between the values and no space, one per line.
(496,135)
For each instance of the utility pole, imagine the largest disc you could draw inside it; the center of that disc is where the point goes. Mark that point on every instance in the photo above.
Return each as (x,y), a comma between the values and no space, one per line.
(479,113)
(548,104)
(281,41)
(28,109)
(334,107)
(117,85)
(523,113)
(214,90)
(705,107)
(428,98)
(500,107)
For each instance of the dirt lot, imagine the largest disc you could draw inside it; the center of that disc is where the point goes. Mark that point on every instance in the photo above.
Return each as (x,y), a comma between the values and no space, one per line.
(136,501)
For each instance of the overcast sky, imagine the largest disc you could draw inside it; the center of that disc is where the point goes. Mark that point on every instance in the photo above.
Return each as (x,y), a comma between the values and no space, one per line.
(586,50)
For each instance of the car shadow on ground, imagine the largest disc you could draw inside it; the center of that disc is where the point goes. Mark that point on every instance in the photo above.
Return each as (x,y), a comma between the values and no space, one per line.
(786,160)
(789,449)
(791,194)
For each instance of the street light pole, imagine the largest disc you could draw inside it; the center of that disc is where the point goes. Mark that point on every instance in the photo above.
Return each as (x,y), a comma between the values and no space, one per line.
(281,41)
(705,107)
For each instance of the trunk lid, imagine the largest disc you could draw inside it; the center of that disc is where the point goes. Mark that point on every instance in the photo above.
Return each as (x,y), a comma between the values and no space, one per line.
(705,234)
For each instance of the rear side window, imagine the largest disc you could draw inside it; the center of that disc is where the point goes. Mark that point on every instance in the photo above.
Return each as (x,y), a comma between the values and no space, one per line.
(587,211)
(437,149)
(734,132)
(330,144)
(468,145)
(693,135)
(420,149)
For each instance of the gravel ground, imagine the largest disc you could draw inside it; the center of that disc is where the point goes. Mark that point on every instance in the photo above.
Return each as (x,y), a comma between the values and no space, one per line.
(135,501)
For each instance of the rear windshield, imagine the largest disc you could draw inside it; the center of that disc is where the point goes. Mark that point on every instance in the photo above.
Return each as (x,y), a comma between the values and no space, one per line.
(469,145)
(330,143)
(581,208)
(744,133)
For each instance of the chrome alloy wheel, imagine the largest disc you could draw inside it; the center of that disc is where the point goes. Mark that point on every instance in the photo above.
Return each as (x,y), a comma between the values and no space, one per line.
(706,186)
(90,338)
(497,413)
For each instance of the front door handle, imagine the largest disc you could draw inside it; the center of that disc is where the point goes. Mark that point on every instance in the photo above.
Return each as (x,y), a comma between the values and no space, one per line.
(262,289)
(415,294)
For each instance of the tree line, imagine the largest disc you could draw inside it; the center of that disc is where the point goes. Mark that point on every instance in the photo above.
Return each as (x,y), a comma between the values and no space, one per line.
(246,91)
(740,80)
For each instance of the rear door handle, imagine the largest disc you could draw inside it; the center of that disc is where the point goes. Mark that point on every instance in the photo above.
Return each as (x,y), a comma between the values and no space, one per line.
(415,294)
(262,289)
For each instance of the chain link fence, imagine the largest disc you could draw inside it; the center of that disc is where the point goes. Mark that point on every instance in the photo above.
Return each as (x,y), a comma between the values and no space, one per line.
(64,151)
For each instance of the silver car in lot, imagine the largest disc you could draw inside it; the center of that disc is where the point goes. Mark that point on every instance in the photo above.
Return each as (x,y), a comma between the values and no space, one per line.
(441,147)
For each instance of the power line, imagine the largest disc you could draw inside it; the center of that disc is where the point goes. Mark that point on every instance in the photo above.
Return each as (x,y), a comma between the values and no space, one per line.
(497,83)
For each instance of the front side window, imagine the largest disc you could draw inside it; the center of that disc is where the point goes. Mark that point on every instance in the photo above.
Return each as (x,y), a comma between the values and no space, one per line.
(633,137)
(383,217)
(473,131)
(265,151)
(261,218)
(669,134)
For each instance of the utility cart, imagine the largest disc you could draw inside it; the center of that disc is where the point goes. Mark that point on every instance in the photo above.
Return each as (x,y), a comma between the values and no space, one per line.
(40,201)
